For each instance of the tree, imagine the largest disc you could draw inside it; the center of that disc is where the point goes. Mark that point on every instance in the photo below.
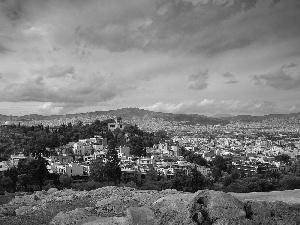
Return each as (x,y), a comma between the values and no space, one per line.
(196,180)
(65,180)
(290,182)
(12,173)
(38,171)
(160,135)
(216,172)
(112,168)
(219,162)
(97,170)
(283,158)
(195,158)
(6,183)
(137,147)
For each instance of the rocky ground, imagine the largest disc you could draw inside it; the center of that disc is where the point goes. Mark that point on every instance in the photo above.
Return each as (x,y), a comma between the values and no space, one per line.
(127,206)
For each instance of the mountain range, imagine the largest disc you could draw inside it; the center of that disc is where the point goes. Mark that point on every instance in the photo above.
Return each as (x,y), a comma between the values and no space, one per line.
(133,113)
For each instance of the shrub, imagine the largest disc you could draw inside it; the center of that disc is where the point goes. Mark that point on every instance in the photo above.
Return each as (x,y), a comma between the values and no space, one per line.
(7,183)
(65,180)
(87,186)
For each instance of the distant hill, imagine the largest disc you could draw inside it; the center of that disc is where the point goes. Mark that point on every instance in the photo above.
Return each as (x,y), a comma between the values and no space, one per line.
(249,118)
(128,114)
(220,116)
(132,113)
(142,114)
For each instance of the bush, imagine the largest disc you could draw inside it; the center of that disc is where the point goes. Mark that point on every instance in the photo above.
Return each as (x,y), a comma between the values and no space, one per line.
(130,184)
(87,186)
(289,182)
(7,183)
(65,180)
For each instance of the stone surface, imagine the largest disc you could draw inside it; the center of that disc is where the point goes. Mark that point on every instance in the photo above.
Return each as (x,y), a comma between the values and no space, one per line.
(7,211)
(126,206)
(52,190)
(140,215)
(71,217)
(109,221)
(216,205)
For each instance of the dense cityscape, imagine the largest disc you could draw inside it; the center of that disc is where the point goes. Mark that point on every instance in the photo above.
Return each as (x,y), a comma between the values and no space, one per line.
(151,153)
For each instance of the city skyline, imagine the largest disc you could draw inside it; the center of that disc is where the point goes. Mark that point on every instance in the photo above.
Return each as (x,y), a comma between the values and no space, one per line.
(185,56)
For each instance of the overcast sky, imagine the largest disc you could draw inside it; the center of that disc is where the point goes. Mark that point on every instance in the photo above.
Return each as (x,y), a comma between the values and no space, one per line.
(181,56)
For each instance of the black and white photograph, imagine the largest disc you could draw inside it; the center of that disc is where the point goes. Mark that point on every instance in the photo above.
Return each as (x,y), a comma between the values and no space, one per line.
(149,112)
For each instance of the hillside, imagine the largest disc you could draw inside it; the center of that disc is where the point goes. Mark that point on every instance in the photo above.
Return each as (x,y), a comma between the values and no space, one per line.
(136,114)
(249,118)
(127,114)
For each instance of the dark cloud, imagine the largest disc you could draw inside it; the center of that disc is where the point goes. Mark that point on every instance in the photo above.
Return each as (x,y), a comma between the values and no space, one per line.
(3,49)
(221,45)
(255,79)
(61,71)
(199,80)
(86,90)
(13,9)
(231,81)
(166,27)
(283,78)
(230,78)
(274,3)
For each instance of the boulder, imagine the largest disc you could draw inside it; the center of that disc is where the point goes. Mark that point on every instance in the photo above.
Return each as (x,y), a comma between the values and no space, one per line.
(72,217)
(7,211)
(173,209)
(24,210)
(25,200)
(140,215)
(115,206)
(108,221)
(52,190)
(270,213)
(216,205)
(203,207)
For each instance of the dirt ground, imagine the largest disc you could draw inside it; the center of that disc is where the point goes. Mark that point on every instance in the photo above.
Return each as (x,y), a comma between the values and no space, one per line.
(288,196)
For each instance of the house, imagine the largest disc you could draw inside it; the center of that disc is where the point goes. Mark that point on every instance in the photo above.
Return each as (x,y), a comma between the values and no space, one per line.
(117,124)
(14,159)
(124,151)
(4,165)
(74,169)
(81,148)
(64,159)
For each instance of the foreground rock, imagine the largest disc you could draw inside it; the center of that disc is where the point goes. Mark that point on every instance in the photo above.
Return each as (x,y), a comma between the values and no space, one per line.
(127,206)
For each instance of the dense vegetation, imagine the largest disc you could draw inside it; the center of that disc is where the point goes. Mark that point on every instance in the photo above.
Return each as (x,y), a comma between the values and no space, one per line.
(43,139)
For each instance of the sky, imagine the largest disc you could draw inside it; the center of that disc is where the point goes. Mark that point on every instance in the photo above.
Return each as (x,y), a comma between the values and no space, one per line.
(181,56)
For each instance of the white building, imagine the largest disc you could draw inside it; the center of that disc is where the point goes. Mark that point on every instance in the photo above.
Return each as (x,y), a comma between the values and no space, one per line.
(117,124)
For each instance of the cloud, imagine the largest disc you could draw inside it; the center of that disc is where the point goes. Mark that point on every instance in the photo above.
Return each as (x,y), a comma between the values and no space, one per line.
(230,78)
(274,3)
(212,106)
(221,45)
(164,25)
(199,80)
(3,49)
(65,92)
(49,108)
(61,71)
(286,77)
